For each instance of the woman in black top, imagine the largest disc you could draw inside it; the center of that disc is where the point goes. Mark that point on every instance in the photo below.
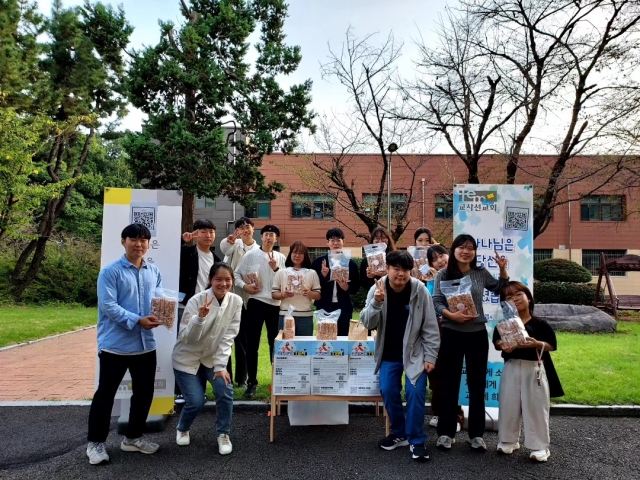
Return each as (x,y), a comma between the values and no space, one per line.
(368,278)
(528,380)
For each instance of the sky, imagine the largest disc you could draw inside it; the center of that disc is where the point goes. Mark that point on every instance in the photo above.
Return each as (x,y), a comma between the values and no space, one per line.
(312,24)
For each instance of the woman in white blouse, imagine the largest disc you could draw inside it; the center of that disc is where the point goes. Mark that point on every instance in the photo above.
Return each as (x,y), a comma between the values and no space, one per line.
(210,323)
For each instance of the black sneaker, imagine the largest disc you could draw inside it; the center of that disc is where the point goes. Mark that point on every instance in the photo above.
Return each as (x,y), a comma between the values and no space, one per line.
(251,391)
(419,453)
(391,442)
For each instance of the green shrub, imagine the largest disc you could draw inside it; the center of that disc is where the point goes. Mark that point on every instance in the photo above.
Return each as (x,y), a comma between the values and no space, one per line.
(68,274)
(560,270)
(567,293)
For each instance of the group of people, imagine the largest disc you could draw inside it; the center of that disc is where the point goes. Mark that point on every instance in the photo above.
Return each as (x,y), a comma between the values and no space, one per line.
(416,335)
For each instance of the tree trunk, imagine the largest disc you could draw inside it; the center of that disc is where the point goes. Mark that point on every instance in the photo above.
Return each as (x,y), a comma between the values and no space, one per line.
(188,211)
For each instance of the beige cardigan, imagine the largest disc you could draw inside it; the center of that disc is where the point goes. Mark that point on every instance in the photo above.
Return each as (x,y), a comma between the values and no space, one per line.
(208,340)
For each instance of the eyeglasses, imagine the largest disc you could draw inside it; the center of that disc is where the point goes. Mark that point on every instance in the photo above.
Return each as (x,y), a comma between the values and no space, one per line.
(466,248)
(335,240)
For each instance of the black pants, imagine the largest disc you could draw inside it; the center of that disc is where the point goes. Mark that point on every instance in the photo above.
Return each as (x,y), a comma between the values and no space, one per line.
(346,313)
(240,351)
(454,348)
(259,313)
(112,369)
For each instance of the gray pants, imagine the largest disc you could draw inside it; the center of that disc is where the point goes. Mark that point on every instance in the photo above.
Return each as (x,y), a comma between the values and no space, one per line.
(523,400)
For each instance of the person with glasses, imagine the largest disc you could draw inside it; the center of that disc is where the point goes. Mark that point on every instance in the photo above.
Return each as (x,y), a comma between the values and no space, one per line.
(529,380)
(336,295)
(464,338)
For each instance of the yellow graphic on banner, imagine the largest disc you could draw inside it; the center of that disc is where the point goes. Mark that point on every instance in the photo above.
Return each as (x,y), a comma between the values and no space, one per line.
(118,196)
(161,406)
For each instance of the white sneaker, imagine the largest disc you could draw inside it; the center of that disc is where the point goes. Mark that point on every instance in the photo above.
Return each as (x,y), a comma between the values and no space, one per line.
(508,448)
(138,445)
(445,442)
(458,427)
(540,455)
(478,444)
(97,453)
(182,438)
(224,444)
(433,422)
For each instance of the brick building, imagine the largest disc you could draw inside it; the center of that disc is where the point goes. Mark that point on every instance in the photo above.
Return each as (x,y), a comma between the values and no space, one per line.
(606,221)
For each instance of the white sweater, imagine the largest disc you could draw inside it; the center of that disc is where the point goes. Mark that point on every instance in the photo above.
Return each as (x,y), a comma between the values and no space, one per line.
(208,340)
(259,259)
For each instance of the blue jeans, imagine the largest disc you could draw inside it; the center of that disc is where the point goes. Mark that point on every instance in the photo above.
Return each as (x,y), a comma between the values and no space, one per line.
(390,388)
(304,325)
(193,388)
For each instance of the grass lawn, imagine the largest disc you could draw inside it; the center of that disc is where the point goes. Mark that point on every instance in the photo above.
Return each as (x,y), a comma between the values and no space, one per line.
(595,369)
(21,324)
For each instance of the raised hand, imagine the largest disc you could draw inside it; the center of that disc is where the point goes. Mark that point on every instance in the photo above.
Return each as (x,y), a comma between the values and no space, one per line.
(272,262)
(231,239)
(204,310)
(325,269)
(380,291)
(189,236)
(500,261)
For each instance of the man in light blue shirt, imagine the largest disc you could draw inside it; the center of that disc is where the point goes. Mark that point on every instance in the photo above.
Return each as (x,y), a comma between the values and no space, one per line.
(125,342)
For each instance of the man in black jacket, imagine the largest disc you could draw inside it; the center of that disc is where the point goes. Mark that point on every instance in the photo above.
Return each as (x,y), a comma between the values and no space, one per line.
(336,295)
(195,264)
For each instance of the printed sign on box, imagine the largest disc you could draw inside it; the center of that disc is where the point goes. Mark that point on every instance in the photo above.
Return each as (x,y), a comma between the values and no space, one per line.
(362,364)
(329,367)
(292,368)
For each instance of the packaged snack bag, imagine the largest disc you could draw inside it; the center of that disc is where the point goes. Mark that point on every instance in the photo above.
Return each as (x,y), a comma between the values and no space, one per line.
(376,257)
(289,331)
(252,277)
(421,263)
(295,280)
(458,294)
(357,330)
(327,324)
(339,265)
(164,306)
(511,328)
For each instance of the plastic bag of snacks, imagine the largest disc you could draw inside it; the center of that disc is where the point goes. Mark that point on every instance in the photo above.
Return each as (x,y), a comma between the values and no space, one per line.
(327,324)
(289,330)
(164,306)
(511,328)
(339,265)
(376,254)
(357,331)
(458,294)
(421,263)
(295,280)
(252,276)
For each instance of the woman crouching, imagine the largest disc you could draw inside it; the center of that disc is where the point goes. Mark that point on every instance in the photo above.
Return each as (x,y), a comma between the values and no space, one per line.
(528,381)
(210,323)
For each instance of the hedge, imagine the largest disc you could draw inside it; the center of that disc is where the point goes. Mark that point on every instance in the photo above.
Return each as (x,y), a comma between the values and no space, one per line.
(560,270)
(567,293)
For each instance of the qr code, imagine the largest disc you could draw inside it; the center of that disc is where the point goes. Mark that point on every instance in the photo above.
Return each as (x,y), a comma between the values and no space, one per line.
(144,216)
(517,219)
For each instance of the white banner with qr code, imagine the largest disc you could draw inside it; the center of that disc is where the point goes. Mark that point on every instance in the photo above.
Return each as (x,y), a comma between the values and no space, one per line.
(500,218)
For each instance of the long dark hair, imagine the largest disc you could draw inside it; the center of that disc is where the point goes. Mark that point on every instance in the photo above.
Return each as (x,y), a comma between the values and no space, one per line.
(515,287)
(420,231)
(453,270)
(391,245)
(436,250)
(302,248)
(217,266)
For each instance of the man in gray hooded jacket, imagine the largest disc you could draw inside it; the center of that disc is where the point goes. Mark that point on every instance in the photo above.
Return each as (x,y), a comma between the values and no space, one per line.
(400,308)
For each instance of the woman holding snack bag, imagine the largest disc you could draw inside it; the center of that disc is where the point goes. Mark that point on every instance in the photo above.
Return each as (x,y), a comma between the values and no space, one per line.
(529,378)
(376,252)
(297,285)
(210,323)
(457,298)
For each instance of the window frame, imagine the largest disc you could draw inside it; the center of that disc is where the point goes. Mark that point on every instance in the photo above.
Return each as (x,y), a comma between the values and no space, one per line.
(258,200)
(312,206)
(593,262)
(446,200)
(599,206)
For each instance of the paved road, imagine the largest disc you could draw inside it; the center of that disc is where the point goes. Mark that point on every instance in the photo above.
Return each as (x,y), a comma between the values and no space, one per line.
(49,442)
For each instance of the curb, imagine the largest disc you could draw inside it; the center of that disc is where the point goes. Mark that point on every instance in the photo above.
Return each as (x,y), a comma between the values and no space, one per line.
(30,342)
(565,410)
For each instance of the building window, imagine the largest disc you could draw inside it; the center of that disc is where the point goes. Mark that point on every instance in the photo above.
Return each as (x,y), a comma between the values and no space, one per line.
(444,207)
(591,260)
(202,202)
(311,205)
(398,204)
(602,208)
(315,252)
(260,207)
(542,254)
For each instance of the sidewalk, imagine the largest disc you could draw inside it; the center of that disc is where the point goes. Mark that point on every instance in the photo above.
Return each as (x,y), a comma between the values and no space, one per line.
(60,368)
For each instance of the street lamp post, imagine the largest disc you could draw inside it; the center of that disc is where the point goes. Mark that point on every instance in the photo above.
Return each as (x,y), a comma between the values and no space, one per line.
(391,148)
